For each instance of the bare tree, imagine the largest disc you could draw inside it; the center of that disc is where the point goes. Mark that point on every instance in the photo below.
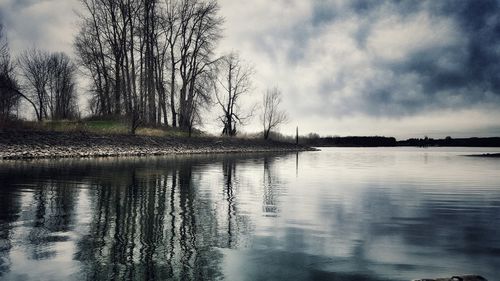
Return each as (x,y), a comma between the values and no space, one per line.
(200,31)
(234,81)
(102,47)
(49,79)
(272,116)
(9,99)
(92,58)
(94,53)
(35,73)
(172,28)
(61,84)
(201,97)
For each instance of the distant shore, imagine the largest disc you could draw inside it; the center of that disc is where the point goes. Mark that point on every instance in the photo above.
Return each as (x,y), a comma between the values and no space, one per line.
(378,141)
(487,155)
(28,144)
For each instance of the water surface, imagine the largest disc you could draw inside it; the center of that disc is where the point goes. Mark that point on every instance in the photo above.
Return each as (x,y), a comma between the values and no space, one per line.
(338,214)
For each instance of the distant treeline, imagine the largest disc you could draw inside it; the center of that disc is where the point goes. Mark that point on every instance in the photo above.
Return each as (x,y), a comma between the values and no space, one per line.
(314,140)
(351,141)
(448,141)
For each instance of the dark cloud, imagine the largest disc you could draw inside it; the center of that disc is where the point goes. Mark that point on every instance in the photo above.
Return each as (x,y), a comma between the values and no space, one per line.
(46,24)
(461,74)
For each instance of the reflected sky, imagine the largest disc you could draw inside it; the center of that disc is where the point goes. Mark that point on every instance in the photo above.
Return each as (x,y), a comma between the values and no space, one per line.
(338,214)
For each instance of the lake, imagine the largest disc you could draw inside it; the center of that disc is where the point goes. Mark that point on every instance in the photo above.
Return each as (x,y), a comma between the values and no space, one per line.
(337,214)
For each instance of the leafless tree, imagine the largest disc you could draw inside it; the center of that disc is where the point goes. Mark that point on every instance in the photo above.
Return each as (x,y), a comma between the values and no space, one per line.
(201,98)
(108,45)
(92,58)
(35,72)
(10,92)
(200,31)
(172,27)
(9,99)
(49,80)
(233,82)
(61,84)
(102,46)
(272,116)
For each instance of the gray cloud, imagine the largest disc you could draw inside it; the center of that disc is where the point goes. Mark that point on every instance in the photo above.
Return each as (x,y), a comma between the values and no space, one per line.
(459,69)
(398,57)
(48,24)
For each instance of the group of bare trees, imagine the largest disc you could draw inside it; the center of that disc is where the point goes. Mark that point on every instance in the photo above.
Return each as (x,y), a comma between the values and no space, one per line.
(150,60)
(47,81)
(233,83)
(9,100)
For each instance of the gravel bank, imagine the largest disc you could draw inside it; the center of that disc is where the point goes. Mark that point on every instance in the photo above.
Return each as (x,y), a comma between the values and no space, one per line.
(22,144)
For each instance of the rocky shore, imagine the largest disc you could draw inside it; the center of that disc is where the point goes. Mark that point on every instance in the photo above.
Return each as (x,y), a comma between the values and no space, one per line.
(25,144)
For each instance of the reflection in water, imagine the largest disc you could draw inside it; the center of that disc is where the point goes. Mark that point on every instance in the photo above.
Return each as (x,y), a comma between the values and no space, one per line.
(149,227)
(346,215)
(148,220)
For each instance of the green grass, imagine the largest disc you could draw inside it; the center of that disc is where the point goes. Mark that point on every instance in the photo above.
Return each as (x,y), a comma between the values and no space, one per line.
(103,127)
(106,127)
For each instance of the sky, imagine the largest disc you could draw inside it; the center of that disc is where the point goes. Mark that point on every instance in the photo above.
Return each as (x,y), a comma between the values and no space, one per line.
(408,68)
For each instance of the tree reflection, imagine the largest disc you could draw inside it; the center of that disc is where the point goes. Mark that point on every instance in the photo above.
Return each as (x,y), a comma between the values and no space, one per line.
(155,227)
(229,169)
(156,219)
(9,213)
(270,193)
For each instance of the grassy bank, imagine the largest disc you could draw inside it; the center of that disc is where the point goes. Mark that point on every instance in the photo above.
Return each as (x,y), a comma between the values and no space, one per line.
(108,138)
(99,127)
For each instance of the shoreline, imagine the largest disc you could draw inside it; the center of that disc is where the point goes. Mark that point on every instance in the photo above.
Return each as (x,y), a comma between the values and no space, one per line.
(27,145)
(486,155)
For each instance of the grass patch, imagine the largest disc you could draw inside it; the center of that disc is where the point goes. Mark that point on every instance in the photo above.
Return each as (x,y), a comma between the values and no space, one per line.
(165,132)
(101,127)
(106,127)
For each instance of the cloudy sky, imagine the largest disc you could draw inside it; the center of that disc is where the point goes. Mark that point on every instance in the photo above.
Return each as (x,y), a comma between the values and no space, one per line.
(345,67)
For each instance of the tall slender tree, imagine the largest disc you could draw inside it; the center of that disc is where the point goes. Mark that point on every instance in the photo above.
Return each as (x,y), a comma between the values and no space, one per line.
(35,72)
(272,116)
(200,31)
(62,97)
(233,82)
(172,28)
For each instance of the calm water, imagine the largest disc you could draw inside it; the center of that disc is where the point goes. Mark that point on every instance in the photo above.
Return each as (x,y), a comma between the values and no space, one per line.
(338,214)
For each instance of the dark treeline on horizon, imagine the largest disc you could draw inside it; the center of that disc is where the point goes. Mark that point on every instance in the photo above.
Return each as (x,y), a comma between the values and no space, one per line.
(350,141)
(377,141)
(448,141)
